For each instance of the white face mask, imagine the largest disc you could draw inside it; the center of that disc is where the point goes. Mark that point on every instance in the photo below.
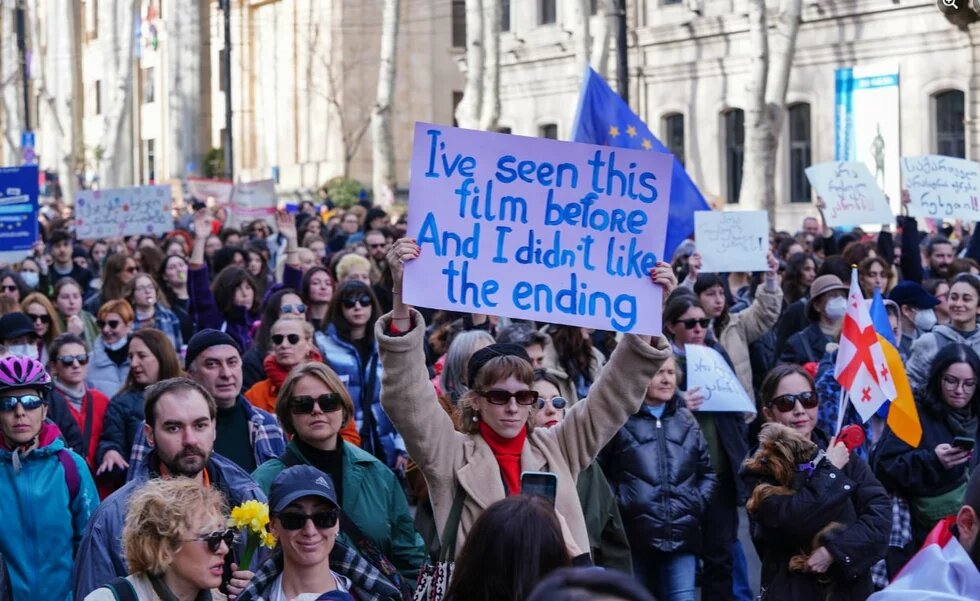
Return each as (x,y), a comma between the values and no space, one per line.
(24,350)
(30,278)
(115,346)
(835,308)
(925,320)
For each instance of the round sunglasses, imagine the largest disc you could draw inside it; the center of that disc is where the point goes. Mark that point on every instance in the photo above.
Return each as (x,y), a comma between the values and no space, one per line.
(787,402)
(329,402)
(363,300)
(298,308)
(277,339)
(558,403)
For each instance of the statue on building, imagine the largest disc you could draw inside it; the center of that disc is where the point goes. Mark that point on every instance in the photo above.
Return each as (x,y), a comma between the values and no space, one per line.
(878,151)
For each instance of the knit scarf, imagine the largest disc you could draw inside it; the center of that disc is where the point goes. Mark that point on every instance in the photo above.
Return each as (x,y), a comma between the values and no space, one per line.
(962,422)
(277,373)
(75,396)
(508,454)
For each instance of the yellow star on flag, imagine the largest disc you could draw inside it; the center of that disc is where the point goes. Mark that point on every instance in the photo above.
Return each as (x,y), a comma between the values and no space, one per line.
(647,144)
(631,131)
(613,131)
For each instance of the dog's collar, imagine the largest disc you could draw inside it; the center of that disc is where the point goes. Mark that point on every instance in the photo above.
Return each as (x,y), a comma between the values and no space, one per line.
(811,466)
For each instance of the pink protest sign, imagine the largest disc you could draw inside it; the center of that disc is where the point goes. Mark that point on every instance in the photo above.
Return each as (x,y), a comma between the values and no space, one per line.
(537,229)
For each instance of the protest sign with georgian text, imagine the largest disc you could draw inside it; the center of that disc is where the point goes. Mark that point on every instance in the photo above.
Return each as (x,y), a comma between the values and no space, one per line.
(537,229)
(850,193)
(732,240)
(942,187)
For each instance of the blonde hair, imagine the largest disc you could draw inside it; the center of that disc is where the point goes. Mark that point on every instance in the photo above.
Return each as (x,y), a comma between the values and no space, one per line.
(318,371)
(54,327)
(495,370)
(160,517)
(349,263)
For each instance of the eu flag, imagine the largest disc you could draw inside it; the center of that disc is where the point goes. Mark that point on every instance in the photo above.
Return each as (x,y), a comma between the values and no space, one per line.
(603,118)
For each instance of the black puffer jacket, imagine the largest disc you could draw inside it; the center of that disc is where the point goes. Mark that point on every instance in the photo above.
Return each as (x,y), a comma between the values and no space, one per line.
(785,525)
(660,471)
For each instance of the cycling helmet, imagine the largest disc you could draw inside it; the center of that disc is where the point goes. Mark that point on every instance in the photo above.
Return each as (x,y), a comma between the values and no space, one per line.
(23,372)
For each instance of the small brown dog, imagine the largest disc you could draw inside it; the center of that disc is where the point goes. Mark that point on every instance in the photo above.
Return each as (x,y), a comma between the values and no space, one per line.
(781,451)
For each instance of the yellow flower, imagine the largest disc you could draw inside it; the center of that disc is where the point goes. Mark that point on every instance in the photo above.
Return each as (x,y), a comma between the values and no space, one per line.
(269,540)
(251,515)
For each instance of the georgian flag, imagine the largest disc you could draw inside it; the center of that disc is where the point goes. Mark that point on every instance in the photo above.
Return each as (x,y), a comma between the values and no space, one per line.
(861,367)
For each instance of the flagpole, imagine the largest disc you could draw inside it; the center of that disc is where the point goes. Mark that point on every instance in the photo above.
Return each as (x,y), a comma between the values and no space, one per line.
(841,407)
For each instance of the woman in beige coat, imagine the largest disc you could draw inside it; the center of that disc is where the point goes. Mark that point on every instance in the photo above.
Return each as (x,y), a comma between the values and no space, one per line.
(484,461)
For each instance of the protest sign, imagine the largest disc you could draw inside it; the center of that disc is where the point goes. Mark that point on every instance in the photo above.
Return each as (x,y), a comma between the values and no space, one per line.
(850,193)
(732,240)
(537,229)
(722,391)
(123,212)
(942,187)
(18,211)
(251,201)
(218,189)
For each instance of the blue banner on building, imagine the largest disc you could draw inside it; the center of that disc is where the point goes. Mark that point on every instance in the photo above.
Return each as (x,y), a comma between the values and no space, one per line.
(18,211)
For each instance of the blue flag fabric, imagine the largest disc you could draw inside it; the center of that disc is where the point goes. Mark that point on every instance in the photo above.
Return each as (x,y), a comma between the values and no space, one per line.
(879,318)
(603,118)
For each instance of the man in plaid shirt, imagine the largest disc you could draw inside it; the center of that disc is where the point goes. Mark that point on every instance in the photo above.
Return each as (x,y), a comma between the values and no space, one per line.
(246,435)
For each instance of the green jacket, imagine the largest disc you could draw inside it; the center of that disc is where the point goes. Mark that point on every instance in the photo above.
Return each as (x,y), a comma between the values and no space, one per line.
(607,537)
(374,500)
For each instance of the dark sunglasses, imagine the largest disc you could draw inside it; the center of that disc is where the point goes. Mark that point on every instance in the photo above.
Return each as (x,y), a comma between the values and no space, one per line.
(502,397)
(69,360)
(299,308)
(328,403)
(112,323)
(364,301)
(132,269)
(43,318)
(787,402)
(278,338)
(321,519)
(10,288)
(557,402)
(214,539)
(28,401)
(690,323)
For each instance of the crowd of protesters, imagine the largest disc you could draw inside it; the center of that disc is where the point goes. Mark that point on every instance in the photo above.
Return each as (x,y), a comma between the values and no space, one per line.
(150,384)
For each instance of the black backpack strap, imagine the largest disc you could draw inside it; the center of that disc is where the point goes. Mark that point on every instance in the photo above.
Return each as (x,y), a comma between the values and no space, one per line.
(122,589)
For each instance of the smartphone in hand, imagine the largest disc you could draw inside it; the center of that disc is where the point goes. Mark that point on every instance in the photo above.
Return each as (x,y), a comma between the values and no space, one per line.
(540,484)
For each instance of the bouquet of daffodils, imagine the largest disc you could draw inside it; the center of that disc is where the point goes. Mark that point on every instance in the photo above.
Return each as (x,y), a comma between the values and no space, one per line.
(252,517)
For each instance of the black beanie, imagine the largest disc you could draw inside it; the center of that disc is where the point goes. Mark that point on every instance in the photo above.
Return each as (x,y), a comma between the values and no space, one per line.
(204,340)
(482,356)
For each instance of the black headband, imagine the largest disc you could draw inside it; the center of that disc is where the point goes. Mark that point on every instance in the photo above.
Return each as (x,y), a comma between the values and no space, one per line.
(482,356)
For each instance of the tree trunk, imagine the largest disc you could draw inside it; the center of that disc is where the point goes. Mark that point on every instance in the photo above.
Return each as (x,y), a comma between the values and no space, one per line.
(583,40)
(382,140)
(76,160)
(470,106)
(603,36)
(490,111)
(757,124)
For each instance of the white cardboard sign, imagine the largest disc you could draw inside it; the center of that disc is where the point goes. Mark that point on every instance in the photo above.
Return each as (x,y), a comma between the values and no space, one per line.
(942,187)
(721,389)
(850,193)
(732,241)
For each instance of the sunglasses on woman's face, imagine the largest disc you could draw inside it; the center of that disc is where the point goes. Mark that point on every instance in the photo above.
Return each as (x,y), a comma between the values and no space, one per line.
(558,403)
(69,360)
(214,539)
(112,323)
(43,317)
(321,519)
(787,402)
(298,308)
(502,397)
(364,301)
(278,338)
(329,402)
(28,401)
(9,288)
(690,323)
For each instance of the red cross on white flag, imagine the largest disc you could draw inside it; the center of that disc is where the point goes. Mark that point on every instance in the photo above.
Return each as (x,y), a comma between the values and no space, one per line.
(861,367)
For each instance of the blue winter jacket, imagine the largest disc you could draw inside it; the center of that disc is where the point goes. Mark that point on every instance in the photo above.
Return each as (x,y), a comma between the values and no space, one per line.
(42,527)
(100,557)
(344,359)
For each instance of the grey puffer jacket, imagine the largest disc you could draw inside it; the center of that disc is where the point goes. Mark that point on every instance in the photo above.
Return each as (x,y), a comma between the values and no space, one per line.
(660,471)
(927,346)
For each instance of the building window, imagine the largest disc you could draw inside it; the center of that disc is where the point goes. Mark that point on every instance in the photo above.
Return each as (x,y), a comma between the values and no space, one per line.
(734,152)
(504,130)
(149,161)
(457,98)
(547,12)
(950,132)
(222,69)
(593,7)
(459,23)
(799,152)
(504,15)
(674,135)
(548,130)
(665,2)
(148,85)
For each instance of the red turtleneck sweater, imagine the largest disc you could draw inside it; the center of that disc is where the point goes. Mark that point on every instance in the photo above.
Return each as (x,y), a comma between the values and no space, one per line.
(508,454)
